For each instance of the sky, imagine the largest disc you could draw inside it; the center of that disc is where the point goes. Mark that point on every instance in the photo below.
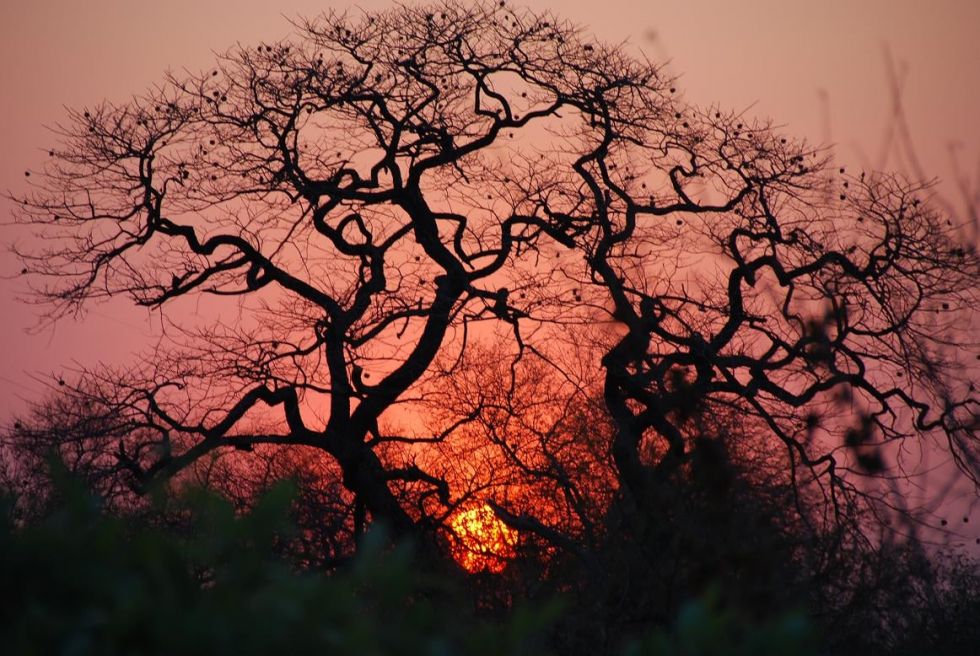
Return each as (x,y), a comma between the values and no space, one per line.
(816,68)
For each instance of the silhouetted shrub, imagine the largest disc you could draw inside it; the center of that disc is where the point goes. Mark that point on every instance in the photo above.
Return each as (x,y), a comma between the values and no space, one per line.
(81,582)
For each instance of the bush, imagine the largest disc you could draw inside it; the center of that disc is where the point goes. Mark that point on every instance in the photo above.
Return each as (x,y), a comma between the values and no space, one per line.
(80,582)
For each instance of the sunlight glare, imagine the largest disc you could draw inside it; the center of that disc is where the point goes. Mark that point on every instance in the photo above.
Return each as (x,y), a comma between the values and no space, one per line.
(483,543)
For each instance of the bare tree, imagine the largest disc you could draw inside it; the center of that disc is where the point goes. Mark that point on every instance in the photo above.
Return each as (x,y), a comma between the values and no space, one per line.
(372,196)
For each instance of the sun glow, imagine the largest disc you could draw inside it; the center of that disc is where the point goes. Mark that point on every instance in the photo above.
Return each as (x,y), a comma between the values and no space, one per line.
(482,542)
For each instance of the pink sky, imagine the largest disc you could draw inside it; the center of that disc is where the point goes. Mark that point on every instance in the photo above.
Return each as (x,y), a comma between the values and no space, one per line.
(774,56)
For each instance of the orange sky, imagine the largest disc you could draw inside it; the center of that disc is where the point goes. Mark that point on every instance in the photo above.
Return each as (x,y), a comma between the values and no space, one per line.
(774,56)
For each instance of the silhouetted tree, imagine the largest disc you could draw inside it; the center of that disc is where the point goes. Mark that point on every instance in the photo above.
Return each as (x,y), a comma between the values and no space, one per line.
(354,206)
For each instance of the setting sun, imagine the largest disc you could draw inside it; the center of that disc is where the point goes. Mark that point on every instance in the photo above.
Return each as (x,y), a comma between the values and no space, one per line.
(482,542)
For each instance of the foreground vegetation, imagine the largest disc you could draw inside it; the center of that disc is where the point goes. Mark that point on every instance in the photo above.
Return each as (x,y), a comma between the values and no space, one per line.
(78,581)
(189,575)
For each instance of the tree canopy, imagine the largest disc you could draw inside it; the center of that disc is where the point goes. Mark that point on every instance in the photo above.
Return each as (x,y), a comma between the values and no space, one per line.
(463,252)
